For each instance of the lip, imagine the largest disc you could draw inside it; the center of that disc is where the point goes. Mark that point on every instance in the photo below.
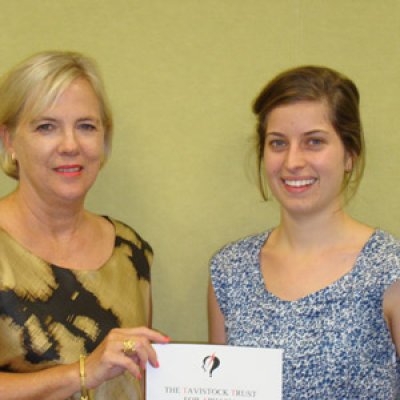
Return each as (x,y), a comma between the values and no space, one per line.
(69,170)
(299,184)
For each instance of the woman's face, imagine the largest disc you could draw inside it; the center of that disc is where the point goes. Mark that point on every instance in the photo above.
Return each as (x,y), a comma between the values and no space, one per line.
(59,152)
(305,160)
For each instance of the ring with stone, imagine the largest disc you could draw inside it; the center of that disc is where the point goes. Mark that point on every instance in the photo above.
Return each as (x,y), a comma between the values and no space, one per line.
(129,347)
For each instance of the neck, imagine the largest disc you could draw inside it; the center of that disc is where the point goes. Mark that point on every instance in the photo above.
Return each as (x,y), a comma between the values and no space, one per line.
(50,218)
(308,233)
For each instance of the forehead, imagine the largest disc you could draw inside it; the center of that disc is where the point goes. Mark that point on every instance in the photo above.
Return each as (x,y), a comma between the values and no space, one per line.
(302,116)
(77,95)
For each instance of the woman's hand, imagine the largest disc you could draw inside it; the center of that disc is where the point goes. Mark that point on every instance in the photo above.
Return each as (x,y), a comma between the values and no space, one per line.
(109,359)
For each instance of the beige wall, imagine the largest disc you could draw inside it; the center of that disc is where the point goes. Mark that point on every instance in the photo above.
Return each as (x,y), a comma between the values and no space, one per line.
(181,75)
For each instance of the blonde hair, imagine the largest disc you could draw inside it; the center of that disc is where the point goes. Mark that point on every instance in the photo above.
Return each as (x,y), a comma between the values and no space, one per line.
(36,83)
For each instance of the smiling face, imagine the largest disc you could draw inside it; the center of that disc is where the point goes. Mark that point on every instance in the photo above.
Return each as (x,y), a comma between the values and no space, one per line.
(305,160)
(60,151)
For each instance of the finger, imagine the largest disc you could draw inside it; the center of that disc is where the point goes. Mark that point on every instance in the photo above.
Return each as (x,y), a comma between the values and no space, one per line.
(129,347)
(108,364)
(124,362)
(142,353)
(148,333)
(132,367)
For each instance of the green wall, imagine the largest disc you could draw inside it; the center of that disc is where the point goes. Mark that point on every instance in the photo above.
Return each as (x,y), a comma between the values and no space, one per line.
(181,75)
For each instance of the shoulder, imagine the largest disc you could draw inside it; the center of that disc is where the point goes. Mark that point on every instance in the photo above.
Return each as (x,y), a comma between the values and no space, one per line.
(249,244)
(233,264)
(382,252)
(126,234)
(235,253)
(383,244)
(130,245)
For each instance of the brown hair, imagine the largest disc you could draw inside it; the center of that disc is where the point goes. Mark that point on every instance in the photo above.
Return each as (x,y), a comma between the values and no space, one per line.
(314,83)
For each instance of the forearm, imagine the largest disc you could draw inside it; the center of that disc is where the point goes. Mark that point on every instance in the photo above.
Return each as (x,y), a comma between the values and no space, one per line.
(55,383)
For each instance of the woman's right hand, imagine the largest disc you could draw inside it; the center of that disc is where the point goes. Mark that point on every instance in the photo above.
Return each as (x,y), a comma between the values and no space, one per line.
(109,360)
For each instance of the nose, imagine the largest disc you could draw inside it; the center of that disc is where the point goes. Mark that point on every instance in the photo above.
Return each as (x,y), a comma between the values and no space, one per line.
(295,157)
(68,142)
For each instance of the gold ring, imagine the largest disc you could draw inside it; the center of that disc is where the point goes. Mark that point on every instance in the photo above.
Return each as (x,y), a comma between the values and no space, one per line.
(129,347)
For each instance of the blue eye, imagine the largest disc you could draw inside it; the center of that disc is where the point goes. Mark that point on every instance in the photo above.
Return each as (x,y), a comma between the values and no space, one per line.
(87,127)
(277,144)
(47,127)
(315,141)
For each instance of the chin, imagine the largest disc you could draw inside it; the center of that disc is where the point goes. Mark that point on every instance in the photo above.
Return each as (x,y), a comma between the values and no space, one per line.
(300,207)
(71,196)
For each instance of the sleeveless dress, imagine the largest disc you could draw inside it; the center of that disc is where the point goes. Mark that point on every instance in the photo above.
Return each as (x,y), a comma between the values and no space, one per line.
(336,342)
(50,315)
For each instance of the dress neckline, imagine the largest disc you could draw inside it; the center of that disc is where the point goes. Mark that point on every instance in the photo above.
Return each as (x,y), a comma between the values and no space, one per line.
(52,265)
(263,238)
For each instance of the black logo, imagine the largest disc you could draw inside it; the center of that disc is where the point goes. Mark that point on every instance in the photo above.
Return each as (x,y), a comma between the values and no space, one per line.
(210,363)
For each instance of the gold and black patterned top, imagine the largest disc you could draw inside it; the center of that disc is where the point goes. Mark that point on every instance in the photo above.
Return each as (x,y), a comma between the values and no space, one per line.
(49,315)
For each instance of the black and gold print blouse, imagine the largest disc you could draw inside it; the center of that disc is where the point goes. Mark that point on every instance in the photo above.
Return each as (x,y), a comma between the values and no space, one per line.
(49,315)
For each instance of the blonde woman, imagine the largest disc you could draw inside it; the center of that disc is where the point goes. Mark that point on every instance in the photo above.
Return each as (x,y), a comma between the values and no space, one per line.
(74,286)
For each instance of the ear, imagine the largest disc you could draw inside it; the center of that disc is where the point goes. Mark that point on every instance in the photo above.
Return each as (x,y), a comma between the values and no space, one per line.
(5,137)
(348,162)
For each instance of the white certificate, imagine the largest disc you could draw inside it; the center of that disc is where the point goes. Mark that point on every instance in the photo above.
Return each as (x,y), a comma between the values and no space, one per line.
(213,372)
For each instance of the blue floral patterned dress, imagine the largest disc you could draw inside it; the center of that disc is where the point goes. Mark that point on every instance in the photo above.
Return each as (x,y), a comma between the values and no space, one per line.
(336,342)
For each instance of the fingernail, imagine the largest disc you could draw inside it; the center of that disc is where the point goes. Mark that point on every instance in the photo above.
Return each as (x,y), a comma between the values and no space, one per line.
(139,376)
(167,338)
(157,364)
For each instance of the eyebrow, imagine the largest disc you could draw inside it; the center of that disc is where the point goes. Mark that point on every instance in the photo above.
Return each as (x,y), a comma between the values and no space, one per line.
(52,119)
(308,133)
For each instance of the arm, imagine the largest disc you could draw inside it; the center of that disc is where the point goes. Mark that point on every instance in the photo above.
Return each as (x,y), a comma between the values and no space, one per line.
(150,310)
(106,362)
(216,321)
(149,324)
(391,307)
(51,384)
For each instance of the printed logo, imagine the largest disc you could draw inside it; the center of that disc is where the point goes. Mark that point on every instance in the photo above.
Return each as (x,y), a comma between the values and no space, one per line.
(210,363)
